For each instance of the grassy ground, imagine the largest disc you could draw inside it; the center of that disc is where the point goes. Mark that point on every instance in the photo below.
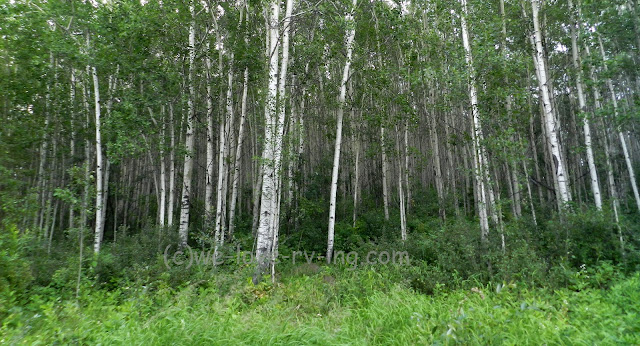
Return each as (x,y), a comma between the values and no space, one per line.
(331,306)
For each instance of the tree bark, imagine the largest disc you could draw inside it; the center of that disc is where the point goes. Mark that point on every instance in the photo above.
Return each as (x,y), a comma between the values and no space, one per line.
(99,227)
(575,53)
(550,121)
(478,149)
(349,36)
(269,171)
(621,136)
(183,232)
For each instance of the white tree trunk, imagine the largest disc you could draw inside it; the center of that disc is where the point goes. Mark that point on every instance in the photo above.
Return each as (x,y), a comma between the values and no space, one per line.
(613,191)
(238,160)
(269,173)
(349,36)
(623,141)
(403,213)
(550,122)
(275,226)
(183,231)
(172,168)
(72,142)
(163,171)
(385,173)
(222,160)
(478,149)
(99,228)
(575,53)
(208,203)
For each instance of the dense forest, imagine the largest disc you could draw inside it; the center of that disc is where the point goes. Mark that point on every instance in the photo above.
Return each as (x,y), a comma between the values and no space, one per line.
(445,172)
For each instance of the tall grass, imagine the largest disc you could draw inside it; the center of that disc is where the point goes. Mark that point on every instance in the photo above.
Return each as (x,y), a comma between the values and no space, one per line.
(359,307)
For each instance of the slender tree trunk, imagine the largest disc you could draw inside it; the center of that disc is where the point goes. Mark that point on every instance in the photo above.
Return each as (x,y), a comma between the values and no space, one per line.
(621,136)
(613,191)
(172,168)
(238,159)
(208,202)
(269,173)
(435,145)
(478,149)
(72,142)
(280,121)
(188,158)
(562,194)
(406,164)
(385,173)
(349,36)
(163,172)
(105,195)
(403,212)
(99,173)
(533,210)
(356,174)
(575,53)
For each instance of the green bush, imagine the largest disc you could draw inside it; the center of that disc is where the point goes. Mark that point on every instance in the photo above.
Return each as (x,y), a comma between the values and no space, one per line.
(15,271)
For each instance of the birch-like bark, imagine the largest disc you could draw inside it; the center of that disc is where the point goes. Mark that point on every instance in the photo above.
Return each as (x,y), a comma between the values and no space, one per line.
(435,145)
(99,178)
(403,213)
(621,136)
(225,129)
(183,232)
(269,173)
(163,171)
(281,102)
(478,150)
(238,159)
(208,202)
(562,194)
(172,168)
(406,164)
(349,36)
(72,142)
(575,53)
(385,173)
(613,191)
(87,150)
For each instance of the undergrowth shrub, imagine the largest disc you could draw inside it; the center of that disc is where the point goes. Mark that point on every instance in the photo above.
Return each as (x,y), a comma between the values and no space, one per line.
(15,271)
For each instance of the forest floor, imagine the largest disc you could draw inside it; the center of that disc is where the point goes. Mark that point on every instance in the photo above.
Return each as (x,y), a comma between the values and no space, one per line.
(329,306)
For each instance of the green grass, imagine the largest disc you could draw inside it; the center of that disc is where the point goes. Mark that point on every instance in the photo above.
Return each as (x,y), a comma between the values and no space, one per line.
(334,306)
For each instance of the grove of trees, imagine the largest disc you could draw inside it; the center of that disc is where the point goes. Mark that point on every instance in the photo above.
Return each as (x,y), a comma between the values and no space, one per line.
(226,122)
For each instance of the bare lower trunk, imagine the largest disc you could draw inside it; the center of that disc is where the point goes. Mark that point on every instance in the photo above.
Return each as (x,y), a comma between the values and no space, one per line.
(172,169)
(238,158)
(551,124)
(99,174)
(270,174)
(208,203)
(163,174)
(385,170)
(349,35)
(403,212)
(575,53)
(188,158)
(478,146)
